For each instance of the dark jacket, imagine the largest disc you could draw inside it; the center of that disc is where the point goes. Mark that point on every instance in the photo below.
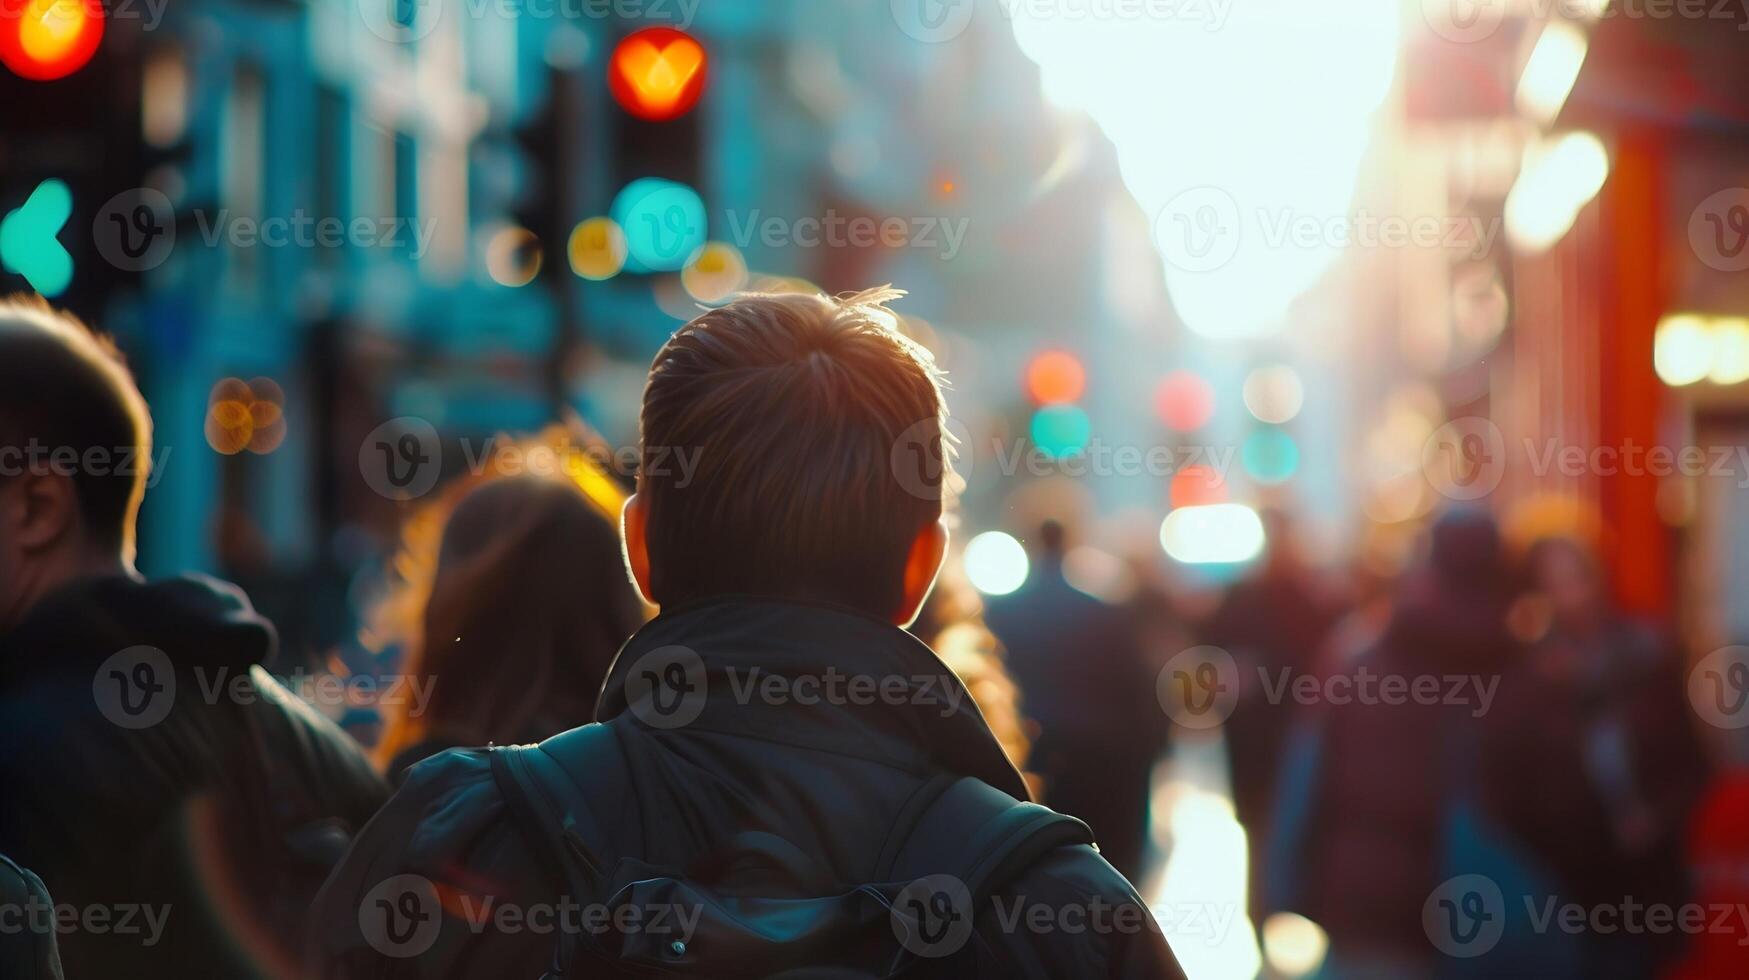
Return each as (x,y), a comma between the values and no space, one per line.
(27,932)
(1078,663)
(154,771)
(829,775)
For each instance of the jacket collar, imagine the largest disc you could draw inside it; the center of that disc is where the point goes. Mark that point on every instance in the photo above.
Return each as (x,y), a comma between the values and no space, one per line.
(804,674)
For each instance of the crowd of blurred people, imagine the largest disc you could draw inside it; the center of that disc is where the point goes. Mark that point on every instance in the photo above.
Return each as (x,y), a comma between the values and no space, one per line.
(1548,748)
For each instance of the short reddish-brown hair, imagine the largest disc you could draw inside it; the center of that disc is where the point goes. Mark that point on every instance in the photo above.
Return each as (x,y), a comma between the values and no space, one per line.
(797,410)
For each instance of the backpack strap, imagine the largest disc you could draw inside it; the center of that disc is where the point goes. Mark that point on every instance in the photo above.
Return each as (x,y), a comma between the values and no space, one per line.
(554,812)
(977,833)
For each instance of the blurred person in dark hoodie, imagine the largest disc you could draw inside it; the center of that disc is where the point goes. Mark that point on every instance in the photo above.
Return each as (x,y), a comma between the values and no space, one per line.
(152,770)
(1596,763)
(1382,799)
(1087,681)
(509,599)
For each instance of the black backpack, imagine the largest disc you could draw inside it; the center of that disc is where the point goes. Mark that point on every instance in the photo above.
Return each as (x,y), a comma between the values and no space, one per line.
(956,843)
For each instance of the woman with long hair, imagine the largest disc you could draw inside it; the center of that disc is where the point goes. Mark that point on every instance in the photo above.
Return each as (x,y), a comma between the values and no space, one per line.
(510,599)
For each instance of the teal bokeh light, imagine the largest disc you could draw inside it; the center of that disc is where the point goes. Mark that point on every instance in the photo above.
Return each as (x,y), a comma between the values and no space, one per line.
(1270,456)
(1061,430)
(664,224)
(28,245)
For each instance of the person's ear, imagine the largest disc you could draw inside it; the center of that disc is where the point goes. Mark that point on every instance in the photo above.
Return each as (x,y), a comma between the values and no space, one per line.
(38,510)
(634,523)
(922,564)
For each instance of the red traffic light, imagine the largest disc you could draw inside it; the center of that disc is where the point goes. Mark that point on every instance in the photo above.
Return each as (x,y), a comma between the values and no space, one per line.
(47,39)
(657,73)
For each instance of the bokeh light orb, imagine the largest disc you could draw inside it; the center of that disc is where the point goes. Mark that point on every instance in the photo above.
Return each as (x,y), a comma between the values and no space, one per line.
(1293,945)
(1274,393)
(1730,356)
(717,272)
(43,40)
(1682,349)
(996,563)
(1054,377)
(1184,401)
(1061,430)
(513,256)
(1212,534)
(1197,486)
(597,249)
(245,415)
(657,73)
(1270,456)
(664,224)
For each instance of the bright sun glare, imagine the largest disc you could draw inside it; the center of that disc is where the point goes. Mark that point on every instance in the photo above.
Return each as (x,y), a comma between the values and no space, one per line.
(1228,125)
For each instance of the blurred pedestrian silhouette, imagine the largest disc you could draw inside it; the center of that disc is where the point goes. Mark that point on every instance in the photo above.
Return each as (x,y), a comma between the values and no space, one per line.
(1383,798)
(1272,622)
(148,760)
(1597,764)
(1086,681)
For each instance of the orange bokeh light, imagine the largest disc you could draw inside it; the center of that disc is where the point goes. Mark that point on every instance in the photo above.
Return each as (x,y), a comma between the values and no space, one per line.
(657,73)
(44,40)
(1197,486)
(1055,377)
(245,415)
